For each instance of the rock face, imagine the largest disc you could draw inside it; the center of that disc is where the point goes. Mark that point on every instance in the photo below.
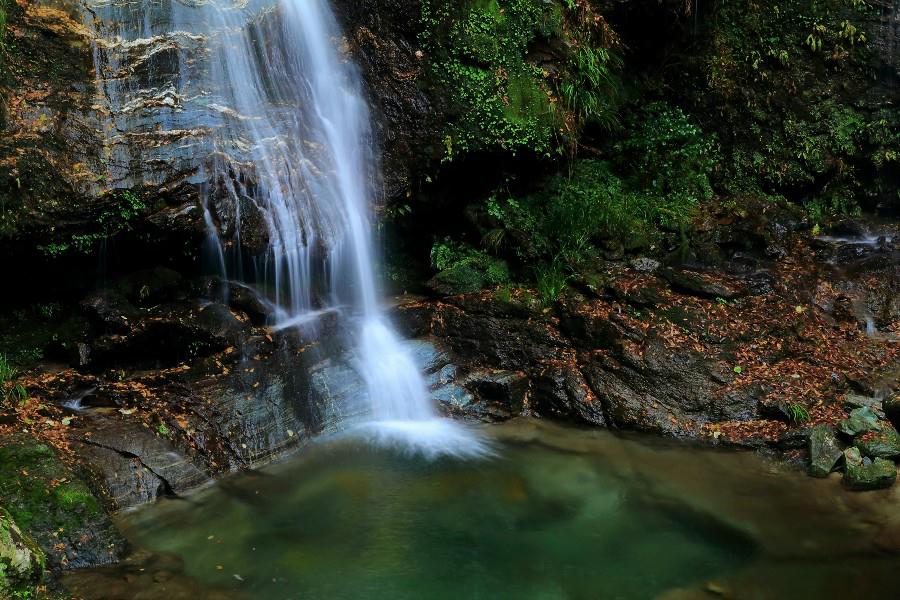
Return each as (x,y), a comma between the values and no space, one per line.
(21,560)
(104,136)
(383,36)
(735,341)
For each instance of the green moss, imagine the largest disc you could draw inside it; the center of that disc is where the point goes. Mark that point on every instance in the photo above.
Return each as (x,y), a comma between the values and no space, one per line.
(22,562)
(462,268)
(39,492)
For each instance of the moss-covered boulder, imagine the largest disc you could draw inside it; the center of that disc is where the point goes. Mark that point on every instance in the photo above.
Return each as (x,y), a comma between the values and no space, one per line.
(866,474)
(21,560)
(825,450)
(48,500)
(879,444)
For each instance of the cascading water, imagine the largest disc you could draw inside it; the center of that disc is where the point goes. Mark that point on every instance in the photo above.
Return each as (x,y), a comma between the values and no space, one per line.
(285,127)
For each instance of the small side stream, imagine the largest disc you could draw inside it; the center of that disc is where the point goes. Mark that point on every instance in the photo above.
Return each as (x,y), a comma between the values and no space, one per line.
(558,513)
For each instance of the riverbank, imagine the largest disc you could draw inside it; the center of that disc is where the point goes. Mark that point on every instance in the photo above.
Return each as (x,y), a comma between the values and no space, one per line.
(790,335)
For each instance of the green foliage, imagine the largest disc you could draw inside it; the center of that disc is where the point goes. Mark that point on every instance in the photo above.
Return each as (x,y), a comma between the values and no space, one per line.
(562,221)
(462,268)
(787,86)
(550,279)
(797,413)
(593,87)
(479,52)
(664,163)
(120,217)
(669,160)
(499,97)
(10,389)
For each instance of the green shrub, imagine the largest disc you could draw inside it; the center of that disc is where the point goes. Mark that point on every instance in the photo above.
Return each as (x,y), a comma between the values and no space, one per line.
(561,221)
(789,86)
(593,202)
(10,389)
(550,279)
(499,97)
(462,268)
(669,160)
(593,87)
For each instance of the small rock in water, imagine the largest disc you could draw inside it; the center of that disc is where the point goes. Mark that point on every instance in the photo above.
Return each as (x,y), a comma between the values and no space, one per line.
(825,450)
(863,474)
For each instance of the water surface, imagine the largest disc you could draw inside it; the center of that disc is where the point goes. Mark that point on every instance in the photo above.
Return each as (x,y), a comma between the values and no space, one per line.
(558,513)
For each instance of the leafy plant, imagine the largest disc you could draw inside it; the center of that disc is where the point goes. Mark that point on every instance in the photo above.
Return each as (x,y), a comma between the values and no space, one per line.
(551,280)
(594,88)
(669,160)
(500,98)
(10,389)
(797,413)
(462,268)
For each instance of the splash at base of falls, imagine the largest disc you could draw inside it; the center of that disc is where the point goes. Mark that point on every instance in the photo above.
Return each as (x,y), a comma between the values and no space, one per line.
(404,417)
(431,439)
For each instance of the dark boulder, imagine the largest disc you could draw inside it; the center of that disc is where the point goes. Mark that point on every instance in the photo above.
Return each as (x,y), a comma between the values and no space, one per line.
(703,284)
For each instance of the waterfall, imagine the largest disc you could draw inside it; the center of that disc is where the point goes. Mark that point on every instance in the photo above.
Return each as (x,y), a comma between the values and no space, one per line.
(273,119)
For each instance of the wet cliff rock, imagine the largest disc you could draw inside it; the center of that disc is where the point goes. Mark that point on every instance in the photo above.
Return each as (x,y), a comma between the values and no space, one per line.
(745,339)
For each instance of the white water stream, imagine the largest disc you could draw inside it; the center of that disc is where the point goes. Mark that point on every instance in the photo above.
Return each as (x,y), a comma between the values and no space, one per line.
(283,131)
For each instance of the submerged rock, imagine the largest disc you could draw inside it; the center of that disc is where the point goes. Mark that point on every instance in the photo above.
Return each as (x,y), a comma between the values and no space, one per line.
(863,474)
(825,450)
(21,560)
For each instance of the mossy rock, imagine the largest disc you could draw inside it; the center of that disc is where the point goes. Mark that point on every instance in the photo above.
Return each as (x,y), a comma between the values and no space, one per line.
(880,444)
(21,560)
(860,421)
(825,450)
(50,502)
(864,474)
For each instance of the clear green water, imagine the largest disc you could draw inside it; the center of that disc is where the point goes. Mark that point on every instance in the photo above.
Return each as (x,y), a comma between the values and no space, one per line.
(557,514)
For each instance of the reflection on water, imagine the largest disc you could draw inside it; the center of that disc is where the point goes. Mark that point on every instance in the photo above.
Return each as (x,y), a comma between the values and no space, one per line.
(558,513)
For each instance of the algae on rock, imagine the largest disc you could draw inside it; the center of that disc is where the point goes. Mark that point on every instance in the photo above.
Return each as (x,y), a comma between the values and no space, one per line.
(21,560)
